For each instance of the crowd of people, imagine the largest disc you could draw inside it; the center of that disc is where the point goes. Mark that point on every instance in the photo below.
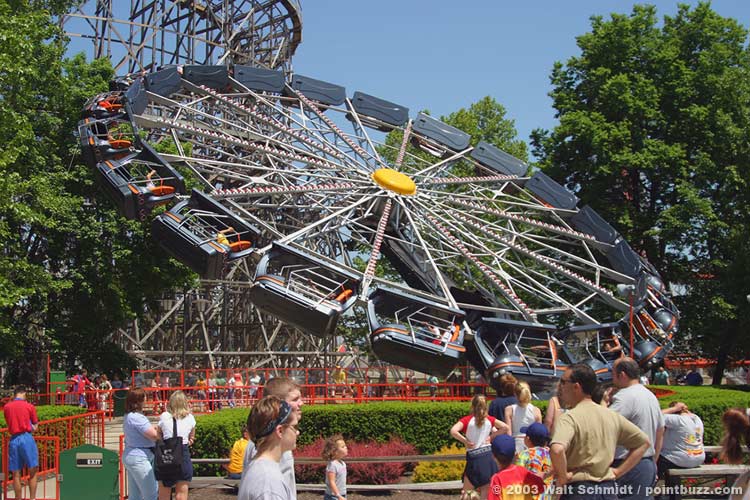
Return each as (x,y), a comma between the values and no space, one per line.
(595,442)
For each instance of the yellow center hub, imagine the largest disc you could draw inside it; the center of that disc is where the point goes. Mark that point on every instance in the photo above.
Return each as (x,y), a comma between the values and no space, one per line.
(392,180)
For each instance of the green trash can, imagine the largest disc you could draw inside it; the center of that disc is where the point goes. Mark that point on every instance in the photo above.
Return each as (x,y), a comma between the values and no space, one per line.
(89,472)
(119,396)
(58,383)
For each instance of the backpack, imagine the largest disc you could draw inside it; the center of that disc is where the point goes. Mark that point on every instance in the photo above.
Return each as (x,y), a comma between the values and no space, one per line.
(168,457)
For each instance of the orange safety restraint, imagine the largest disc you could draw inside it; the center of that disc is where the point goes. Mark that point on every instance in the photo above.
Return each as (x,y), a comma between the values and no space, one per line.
(344,296)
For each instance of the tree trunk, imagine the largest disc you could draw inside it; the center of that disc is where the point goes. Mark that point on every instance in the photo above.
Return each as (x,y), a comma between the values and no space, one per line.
(729,339)
(721,363)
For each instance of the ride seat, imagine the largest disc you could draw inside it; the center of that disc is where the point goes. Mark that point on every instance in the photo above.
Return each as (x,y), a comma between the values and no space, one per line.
(120,143)
(240,245)
(344,296)
(161,190)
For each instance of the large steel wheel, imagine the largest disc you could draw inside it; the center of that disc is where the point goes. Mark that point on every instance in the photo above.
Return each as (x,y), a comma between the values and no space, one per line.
(448,244)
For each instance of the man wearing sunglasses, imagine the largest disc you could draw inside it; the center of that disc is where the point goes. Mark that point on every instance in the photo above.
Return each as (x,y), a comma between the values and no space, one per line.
(583,444)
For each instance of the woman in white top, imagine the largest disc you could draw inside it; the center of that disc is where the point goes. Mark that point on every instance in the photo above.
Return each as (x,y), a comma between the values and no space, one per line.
(478,430)
(519,416)
(179,409)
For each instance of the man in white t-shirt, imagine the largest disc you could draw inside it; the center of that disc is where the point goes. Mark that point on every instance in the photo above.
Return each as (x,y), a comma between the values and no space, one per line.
(253,382)
(639,405)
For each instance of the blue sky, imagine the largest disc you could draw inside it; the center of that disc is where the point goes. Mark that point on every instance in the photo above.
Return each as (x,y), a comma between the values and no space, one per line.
(443,56)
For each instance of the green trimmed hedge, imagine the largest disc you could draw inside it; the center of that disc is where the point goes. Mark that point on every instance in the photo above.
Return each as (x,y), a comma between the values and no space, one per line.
(50,412)
(215,434)
(709,403)
(425,425)
(60,429)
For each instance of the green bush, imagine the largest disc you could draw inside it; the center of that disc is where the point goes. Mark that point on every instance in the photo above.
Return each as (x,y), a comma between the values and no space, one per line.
(50,412)
(709,403)
(430,472)
(424,424)
(215,433)
(59,429)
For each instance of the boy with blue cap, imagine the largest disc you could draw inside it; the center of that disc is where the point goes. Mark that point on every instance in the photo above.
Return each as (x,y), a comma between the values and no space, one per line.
(512,482)
(536,455)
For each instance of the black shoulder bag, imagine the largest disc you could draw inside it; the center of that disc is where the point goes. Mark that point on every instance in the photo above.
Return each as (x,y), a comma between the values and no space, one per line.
(168,457)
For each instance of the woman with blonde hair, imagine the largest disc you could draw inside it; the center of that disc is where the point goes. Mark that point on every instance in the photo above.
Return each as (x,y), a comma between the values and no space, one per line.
(272,425)
(520,416)
(178,412)
(478,430)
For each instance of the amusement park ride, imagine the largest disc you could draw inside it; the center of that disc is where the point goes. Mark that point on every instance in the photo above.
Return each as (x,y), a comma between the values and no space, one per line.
(280,191)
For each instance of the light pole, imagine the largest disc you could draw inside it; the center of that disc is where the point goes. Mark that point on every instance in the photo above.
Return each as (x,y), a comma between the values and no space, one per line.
(629,292)
(185,323)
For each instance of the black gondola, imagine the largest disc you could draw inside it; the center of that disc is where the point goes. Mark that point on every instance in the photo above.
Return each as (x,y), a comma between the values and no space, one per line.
(438,138)
(527,350)
(135,179)
(204,235)
(107,105)
(378,113)
(598,345)
(107,139)
(303,290)
(652,341)
(415,332)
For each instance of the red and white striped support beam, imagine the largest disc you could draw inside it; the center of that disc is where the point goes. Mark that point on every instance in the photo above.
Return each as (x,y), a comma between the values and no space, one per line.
(376,245)
(230,139)
(526,220)
(468,180)
(255,192)
(273,122)
(355,147)
(527,312)
(545,261)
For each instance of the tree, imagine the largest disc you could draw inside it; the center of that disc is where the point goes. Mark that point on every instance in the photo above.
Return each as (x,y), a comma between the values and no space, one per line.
(653,134)
(485,120)
(71,269)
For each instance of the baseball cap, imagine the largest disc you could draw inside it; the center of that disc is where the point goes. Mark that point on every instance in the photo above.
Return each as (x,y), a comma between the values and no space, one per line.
(537,432)
(503,446)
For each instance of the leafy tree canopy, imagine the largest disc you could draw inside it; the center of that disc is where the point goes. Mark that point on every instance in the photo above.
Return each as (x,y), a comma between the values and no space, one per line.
(71,270)
(654,133)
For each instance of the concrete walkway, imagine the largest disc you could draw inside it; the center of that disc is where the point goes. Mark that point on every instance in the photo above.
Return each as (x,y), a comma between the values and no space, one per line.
(113,430)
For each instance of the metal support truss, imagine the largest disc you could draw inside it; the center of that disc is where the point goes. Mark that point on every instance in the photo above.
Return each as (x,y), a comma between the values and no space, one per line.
(153,33)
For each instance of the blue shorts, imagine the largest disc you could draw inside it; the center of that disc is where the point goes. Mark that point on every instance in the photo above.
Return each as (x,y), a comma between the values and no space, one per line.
(22,451)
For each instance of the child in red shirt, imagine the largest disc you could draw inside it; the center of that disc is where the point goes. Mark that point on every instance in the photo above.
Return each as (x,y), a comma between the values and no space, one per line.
(512,482)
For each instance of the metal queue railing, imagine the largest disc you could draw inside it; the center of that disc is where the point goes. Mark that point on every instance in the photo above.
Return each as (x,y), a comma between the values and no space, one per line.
(48,487)
(211,398)
(53,436)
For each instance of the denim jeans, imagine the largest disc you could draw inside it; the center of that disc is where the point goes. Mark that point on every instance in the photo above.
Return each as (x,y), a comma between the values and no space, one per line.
(637,483)
(142,483)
